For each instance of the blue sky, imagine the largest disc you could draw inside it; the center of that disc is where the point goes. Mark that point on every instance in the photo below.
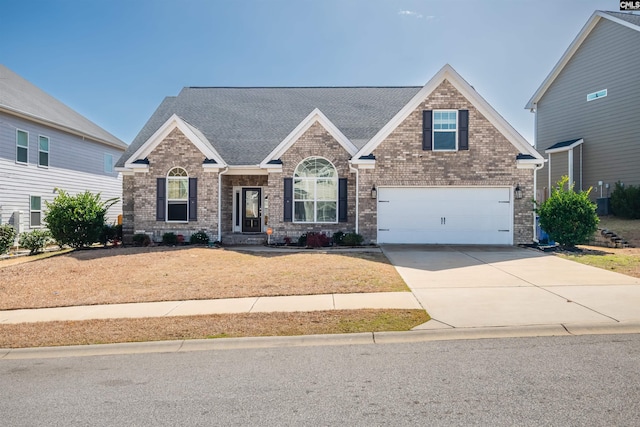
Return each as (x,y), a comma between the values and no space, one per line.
(115,60)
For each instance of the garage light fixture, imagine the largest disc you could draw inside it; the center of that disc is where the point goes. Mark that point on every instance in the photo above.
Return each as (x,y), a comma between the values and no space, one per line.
(374,193)
(517,193)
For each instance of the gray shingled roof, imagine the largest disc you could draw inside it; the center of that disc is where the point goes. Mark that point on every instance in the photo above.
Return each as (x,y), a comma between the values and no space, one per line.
(19,96)
(625,16)
(246,124)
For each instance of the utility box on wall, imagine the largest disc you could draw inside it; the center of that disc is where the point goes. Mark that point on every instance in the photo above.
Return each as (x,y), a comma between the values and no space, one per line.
(603,206)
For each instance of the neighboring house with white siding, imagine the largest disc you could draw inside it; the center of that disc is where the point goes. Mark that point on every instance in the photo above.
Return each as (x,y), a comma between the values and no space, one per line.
(586,110)
(44,145)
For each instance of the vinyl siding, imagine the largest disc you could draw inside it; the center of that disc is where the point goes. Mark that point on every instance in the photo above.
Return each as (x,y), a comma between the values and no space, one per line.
(66,151)
(559,167)
(75,165)
(607,59)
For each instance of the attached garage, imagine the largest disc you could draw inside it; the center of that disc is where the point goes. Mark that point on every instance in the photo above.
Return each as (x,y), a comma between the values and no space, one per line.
(445,215)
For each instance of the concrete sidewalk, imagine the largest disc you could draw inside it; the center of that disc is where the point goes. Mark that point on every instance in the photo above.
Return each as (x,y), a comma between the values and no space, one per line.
(391,300)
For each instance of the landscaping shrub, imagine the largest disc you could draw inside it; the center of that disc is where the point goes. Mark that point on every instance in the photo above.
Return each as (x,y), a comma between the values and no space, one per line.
(199,238)
(302,240)
(625,201)
(7,235)
(338,238)
(352,239)
(170,239)
(568,217)
(35,240)
(317,240)
(77,220)
(109,234)
(141,239)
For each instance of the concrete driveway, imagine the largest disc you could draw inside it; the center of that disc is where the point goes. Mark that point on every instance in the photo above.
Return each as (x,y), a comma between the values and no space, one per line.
(493,286)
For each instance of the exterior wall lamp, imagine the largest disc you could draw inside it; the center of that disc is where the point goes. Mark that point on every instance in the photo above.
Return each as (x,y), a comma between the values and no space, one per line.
(374,193)
(517,192)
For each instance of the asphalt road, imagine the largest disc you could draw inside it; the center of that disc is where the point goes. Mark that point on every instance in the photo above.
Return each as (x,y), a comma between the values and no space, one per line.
(555,381)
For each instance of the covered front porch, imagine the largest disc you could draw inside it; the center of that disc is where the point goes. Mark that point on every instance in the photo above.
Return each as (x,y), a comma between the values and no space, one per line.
(244,208)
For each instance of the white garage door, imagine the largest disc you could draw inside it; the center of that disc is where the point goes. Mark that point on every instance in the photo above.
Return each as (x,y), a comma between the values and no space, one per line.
(445,215)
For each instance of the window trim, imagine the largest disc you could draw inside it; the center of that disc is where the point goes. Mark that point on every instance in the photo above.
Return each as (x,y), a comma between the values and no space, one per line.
(169,201)
(20,146)
(31,211)
(434,131)
(315,199)
(43,151)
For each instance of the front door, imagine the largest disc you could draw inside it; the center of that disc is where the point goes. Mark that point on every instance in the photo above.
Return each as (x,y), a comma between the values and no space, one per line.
(251,210)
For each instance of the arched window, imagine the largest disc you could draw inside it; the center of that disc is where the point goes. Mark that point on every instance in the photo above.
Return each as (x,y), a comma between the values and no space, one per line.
(177,195)
(315,191)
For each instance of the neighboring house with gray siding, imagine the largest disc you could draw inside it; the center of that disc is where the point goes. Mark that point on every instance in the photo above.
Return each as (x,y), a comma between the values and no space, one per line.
(587,110)
(46,145)
(430,164)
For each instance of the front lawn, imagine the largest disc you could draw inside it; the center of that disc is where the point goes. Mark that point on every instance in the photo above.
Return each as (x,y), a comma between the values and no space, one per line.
(122,275)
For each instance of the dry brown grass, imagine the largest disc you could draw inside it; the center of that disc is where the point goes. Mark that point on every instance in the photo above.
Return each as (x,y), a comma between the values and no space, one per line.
(211,326)
(121,275)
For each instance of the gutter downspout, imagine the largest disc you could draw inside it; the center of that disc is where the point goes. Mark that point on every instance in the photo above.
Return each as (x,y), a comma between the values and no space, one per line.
(535,199)
(352,169)
(226,169)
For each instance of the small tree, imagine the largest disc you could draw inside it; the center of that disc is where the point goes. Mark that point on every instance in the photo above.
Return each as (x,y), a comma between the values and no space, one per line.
(77,221)
(568,217)
(7,235)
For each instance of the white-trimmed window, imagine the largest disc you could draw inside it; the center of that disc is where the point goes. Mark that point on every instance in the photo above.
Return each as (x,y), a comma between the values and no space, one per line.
(178,195)
(108,163)
(35,211)
(315,191)
(43,151)
(445,130)
(22,146)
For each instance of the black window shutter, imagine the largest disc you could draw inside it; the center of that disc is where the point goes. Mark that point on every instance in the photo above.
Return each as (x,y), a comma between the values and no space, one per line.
(161,197)
(426,130)
(342,200)
(288,199)
(463,129)
(193,199)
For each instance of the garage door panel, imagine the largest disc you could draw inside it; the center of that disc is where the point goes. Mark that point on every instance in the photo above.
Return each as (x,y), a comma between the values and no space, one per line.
(459,215)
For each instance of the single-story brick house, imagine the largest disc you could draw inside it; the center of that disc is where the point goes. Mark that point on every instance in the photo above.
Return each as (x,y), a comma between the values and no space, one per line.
(433,164)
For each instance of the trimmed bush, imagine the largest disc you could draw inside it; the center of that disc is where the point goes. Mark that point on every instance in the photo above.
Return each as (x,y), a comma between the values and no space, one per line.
(199,238)
(7,235)
(352,239)
(625,201)
(317,240)
(35,240)
(141,239)
(109,234)
(77,221)
(170,239)
(568,217)
(338,238)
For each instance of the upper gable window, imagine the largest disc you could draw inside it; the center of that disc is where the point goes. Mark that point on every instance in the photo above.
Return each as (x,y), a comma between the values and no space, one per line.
(108,163)
(315,191)
(22,147)
(445,130)
(177,195)
(43,151)
(596,95)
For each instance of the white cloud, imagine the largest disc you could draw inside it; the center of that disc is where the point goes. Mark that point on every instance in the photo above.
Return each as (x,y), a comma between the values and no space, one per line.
(411,13)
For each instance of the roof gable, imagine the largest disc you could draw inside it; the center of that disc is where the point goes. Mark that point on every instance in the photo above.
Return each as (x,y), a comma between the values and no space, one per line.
(627,20)
(316,116)
(192,133)
(21,98)
(448,73)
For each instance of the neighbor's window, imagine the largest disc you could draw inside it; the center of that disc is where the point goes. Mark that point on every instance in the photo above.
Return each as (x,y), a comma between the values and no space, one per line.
(22,147)
(108,163)
(177,195)
(315,191)
(445,130)
(35,211)
(43,151)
